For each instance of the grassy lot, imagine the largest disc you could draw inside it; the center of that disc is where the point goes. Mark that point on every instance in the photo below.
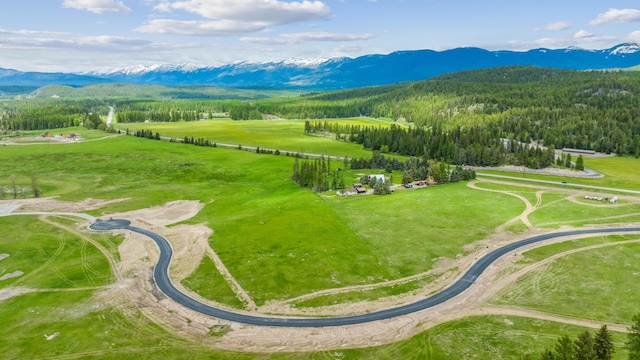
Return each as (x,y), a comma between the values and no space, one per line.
(78,130)
(284,135)
(481,337)
(207,281)
(412,229)
(282,249)
(80,327)
(366,295)
(619,172)
(556,213)
(528,193)
(49,257)
(595,280)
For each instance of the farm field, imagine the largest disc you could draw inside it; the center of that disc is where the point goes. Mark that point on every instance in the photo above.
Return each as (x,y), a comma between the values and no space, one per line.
(285,250)
(283,135)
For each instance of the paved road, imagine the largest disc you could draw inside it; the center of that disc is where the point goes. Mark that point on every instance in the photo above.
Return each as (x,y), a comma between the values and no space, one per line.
(163,282)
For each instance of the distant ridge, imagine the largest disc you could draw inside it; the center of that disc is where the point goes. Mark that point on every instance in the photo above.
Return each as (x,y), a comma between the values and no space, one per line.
(340,73)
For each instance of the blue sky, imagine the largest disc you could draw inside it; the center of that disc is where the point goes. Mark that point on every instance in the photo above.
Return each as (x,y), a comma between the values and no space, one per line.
(81,35)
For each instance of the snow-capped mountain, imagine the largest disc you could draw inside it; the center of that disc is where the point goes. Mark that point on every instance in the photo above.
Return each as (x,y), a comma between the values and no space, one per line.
(624,49)
(337,73)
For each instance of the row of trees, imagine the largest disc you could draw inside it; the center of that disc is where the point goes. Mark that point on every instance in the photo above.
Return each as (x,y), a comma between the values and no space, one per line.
(585,347)
(594,347)
(47,115)
(14,190)
(156,116)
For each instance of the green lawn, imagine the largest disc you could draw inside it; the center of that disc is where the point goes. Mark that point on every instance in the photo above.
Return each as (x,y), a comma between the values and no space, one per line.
(592,284)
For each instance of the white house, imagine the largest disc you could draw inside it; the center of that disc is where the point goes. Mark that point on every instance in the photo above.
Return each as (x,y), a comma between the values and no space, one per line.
(379,178)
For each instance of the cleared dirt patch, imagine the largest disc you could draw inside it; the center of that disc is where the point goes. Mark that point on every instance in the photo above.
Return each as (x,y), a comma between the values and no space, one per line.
(8,293)
(11,275)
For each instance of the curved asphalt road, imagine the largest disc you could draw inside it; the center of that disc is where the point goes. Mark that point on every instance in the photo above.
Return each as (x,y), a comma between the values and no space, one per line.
(163,282)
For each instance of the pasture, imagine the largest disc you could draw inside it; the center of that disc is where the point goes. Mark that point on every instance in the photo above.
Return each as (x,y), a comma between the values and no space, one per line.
(281,242)
(283,135)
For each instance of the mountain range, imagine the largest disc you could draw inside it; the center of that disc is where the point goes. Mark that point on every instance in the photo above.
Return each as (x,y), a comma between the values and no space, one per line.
(338,73)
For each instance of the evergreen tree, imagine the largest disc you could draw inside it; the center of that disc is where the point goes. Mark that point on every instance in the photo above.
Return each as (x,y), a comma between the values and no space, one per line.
(378,188)
(633,339)
(584,346)
(567,161)
(603,344)
(580,163)
(564,349)
(296,171)
(547,355)
(406,177)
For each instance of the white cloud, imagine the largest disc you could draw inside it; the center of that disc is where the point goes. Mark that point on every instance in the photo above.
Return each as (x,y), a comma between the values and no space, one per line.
(31,32)
(295,38)
(219,28)
(222,17)
(591,42)
(97,6)
(556,26)
(583,34)
(634,36)
(617,15)
(87,43)
(269,11)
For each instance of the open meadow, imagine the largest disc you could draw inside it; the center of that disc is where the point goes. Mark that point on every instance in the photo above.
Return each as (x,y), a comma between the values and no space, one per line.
(247,238)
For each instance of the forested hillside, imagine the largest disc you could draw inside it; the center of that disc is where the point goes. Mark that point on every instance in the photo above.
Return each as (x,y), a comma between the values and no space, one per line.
(559,108)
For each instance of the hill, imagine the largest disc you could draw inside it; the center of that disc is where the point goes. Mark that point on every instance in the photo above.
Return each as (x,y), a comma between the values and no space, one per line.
(342,73)
(135,91)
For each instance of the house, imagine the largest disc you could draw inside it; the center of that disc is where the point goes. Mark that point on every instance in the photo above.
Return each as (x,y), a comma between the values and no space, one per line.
(357,185)
(361,190)
(379,178)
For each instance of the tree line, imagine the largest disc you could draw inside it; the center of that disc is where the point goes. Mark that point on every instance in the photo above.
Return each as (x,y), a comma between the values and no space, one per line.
(14,190)
(588,346)
(473,146)
(48,114)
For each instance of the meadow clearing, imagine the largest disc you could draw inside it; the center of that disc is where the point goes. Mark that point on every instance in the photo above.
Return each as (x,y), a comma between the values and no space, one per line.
(276,248)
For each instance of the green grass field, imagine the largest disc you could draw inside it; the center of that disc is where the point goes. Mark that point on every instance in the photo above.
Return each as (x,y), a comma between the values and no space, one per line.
(595,280)
(50,258)
(284,135)
(207,282)
(280,242)
(619,172)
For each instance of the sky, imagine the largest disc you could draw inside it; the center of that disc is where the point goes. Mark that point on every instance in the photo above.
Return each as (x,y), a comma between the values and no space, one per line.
(84,35)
